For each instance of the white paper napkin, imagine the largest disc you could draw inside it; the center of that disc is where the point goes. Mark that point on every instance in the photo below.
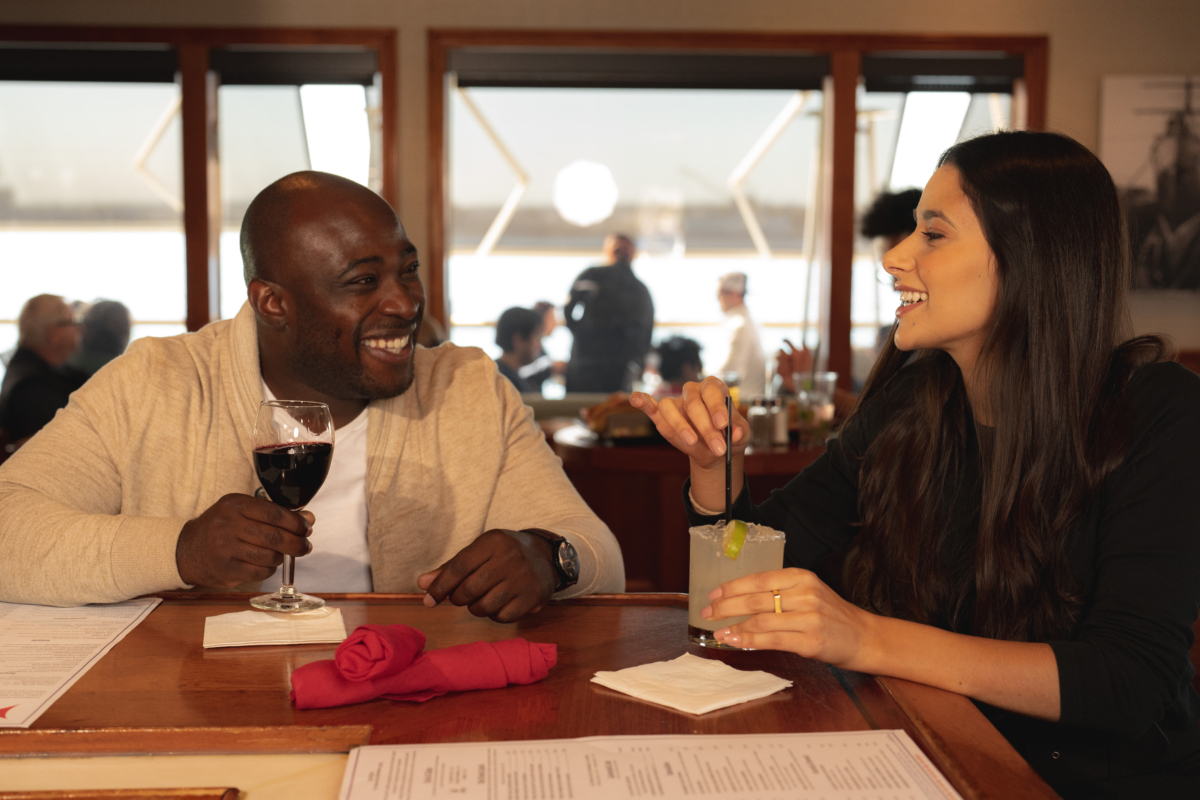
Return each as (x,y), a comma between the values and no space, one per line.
(692,684)
(244,628)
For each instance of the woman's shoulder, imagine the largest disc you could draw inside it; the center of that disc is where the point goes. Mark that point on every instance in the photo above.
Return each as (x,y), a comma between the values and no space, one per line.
(1164,387)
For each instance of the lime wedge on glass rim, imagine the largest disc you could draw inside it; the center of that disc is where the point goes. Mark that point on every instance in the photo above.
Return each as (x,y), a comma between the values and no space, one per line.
(734,538)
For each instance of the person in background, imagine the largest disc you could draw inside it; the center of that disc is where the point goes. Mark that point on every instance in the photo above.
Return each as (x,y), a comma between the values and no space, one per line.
(746,356)
(38,383)
(890,217)
(106,326)
(678,362)
(611,315)
(542,368)
(519,336)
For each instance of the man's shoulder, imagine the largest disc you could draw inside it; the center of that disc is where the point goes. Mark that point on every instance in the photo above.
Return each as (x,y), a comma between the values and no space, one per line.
(436,368)
(167,356)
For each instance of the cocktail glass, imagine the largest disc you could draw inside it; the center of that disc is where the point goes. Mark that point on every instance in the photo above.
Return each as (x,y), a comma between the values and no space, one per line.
(710,567)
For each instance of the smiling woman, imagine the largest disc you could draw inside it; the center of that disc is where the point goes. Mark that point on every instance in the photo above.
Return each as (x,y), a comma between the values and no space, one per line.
(1021,479)
(946,276)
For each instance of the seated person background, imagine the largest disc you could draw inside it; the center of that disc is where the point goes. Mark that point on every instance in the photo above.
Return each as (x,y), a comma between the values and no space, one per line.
(519,336)
(543,368)
(106,326)
(678,362)
(890,218)
(38,383)
(448,478)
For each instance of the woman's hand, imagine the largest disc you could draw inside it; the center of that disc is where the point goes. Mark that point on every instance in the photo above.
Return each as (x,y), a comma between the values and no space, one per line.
(815,622)
(694,423)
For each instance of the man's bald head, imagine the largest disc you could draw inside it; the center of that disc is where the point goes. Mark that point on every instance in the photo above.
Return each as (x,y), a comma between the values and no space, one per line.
(271,219)
(47,327)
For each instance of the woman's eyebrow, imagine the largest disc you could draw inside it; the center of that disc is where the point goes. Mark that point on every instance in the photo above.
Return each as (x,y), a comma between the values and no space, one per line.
(933,213)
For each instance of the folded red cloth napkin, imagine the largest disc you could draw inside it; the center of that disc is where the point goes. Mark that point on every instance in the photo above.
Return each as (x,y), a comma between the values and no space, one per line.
(481,665)
(374,651)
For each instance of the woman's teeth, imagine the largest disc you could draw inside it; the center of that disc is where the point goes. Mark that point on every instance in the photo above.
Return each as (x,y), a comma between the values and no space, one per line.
(908,298)
(390,345)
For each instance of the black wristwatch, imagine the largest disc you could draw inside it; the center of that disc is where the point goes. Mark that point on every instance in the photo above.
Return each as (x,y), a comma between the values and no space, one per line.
(563,557)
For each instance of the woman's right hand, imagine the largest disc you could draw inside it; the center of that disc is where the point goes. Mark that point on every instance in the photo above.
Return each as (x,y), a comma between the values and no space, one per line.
(694,423)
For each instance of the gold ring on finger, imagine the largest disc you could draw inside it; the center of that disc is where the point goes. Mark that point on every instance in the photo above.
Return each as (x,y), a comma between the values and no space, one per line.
(778,602)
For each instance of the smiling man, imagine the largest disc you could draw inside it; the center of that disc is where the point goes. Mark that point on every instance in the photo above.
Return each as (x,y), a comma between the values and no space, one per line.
(440,481)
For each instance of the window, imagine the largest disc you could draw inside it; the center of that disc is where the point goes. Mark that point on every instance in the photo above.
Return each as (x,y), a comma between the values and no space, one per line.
(90,182)
(706,180)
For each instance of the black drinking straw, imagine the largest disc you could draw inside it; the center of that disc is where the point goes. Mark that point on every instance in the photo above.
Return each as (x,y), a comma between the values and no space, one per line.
(729,459)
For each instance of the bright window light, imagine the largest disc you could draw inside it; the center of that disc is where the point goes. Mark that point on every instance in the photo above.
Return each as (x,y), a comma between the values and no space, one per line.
(585,193)
(335,123)
(931,123)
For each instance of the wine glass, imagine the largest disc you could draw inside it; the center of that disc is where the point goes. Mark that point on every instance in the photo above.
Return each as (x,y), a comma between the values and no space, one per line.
(293,447)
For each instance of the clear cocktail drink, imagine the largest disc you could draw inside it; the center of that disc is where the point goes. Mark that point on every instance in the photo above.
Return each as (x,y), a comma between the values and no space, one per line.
(710,567)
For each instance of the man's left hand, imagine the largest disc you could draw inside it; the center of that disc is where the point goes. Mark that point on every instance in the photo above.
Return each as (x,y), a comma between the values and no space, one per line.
(502,574)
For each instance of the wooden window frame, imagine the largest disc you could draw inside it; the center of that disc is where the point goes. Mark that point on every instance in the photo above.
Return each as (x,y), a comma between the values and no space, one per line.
(845,52)
(198,90)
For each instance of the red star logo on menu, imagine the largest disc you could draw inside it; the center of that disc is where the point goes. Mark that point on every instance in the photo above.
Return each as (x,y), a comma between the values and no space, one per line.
(4,711)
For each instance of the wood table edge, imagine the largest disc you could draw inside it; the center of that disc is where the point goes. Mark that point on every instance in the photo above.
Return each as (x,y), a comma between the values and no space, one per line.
(249,740)
(194,793)
(980,751)
(675,599)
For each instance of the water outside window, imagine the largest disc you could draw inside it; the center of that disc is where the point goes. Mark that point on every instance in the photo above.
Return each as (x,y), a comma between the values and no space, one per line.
(267,132)
(91,199)
(706,181)
(900,137)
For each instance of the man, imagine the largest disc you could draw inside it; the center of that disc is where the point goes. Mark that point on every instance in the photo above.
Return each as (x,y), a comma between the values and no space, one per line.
(890,217)
(38,383)
(144,482)
(746,356)
(678,363)
(106,328)
(519,335)
(611,315)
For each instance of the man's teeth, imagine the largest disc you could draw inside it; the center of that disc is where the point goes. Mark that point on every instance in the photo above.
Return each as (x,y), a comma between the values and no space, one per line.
(908,298)
(390,345)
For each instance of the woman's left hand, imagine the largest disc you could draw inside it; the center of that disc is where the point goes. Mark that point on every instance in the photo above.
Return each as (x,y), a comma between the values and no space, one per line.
(814,621)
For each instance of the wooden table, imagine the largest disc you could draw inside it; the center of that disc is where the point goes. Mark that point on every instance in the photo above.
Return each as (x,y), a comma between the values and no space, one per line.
(158,691)
(638,491)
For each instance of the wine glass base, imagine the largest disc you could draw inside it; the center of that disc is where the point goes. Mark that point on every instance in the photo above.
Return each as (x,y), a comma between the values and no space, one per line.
(287,603)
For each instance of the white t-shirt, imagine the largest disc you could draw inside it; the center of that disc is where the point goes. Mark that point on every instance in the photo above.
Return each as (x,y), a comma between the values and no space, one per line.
(340,560)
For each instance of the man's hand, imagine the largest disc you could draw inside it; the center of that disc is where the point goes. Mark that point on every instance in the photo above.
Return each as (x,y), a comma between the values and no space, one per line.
(240,539)
(502,574)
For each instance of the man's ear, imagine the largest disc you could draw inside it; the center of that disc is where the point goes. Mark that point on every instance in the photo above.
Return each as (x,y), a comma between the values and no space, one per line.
(270,302)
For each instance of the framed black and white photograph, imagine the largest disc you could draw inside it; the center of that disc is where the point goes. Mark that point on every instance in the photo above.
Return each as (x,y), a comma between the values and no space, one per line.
(1150,142)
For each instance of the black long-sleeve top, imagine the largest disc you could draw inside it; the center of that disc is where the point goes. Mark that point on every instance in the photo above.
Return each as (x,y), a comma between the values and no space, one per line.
(1128,721)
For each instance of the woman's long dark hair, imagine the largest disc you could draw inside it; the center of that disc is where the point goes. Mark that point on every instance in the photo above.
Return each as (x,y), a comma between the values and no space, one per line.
(1052,373)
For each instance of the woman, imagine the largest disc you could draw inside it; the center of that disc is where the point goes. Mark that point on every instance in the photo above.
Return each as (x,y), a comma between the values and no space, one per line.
(1023,483)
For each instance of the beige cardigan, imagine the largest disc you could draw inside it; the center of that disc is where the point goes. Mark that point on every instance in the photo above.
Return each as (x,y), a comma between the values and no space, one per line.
(91,507)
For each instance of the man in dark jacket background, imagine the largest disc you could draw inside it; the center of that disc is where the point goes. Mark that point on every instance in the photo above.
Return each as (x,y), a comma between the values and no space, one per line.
(611,315)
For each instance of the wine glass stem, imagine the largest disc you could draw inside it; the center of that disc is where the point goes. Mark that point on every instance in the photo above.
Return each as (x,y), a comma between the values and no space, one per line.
(289,577)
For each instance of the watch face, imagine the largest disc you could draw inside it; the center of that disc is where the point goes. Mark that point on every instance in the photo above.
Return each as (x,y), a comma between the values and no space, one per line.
(568,559)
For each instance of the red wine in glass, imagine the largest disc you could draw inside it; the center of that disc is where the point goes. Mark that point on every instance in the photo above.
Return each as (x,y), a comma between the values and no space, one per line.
(291,474)
(293,448)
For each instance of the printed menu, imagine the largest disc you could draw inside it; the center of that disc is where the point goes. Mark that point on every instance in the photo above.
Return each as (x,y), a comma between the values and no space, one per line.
(862,765)
(44,650)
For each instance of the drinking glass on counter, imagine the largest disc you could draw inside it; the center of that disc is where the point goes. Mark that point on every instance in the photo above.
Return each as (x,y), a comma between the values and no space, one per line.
(710,567)
(814,392)
(293,448)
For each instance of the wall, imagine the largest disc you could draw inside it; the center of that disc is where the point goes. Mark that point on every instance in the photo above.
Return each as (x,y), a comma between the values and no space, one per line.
(1088,39)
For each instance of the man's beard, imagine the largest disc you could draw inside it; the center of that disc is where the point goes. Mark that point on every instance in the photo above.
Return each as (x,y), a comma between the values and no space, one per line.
(317,361)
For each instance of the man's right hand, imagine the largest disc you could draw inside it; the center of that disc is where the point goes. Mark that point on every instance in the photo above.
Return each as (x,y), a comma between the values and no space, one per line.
(240,539)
